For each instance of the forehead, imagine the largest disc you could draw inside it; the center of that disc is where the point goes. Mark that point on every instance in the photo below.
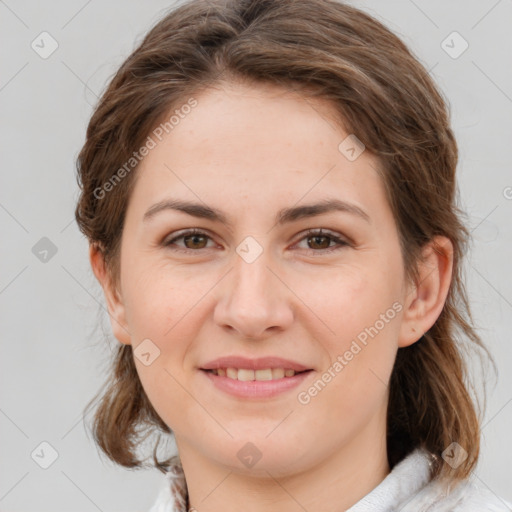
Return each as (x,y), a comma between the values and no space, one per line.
(254,123)
(261,143)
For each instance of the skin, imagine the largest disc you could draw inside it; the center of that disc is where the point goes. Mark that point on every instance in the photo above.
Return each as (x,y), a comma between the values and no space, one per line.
(251,151)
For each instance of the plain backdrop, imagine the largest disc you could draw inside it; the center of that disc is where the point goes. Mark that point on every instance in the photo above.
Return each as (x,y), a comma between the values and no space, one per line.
(52,360)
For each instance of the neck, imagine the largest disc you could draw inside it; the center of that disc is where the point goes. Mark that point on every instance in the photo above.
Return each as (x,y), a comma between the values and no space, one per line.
(333,485)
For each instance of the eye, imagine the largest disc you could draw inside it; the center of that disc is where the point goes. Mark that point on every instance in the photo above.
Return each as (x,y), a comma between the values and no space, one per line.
(195,239)
(321,241)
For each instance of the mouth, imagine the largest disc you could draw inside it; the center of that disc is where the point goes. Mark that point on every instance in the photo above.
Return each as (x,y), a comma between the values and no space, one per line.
(248,375)
(247,384)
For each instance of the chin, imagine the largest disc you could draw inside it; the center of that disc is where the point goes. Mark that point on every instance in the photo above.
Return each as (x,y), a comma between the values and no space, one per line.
(262,457)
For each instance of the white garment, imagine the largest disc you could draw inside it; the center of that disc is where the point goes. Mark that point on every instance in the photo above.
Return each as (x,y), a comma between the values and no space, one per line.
(407,488)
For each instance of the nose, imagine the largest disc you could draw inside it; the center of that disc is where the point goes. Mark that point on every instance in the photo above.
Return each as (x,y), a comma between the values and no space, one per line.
(254,302)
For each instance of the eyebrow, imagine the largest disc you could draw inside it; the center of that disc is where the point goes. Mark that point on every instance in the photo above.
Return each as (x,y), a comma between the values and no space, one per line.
(286,215)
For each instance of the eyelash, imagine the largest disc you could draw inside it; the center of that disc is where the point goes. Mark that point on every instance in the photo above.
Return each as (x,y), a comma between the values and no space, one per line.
(310,233)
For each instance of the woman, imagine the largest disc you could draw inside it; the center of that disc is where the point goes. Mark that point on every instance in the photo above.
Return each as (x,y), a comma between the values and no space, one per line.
(268,188)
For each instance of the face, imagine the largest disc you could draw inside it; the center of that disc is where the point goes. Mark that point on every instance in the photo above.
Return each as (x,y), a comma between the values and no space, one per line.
(258,287)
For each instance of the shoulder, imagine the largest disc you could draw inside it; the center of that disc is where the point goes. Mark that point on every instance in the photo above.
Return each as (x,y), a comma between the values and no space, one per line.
(466,496)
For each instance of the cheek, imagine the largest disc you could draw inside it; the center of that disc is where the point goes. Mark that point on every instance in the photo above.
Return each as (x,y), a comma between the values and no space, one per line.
(358,317)
(163,306)
(157,298)
(162,310)
(345,300)
(352,388)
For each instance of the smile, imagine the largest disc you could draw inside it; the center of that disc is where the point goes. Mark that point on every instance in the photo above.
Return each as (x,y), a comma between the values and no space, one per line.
(245,375)
(256,384)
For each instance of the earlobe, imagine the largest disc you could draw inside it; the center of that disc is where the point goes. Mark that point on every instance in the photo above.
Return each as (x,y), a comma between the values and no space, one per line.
(115,305)
(426,299)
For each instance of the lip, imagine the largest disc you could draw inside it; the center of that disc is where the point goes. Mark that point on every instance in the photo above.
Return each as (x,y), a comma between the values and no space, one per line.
(260,363)
(255,388)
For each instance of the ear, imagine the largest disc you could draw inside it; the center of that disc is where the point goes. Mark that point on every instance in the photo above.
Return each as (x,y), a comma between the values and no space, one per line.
(115,306)
(425,299)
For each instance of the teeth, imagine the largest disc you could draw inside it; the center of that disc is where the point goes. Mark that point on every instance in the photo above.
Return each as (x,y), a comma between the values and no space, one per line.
(232,373)
(262,374)
(277,373)
(245,374)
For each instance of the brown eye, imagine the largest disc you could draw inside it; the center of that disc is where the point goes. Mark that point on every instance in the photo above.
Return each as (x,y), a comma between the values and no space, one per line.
(320,242)
(193,240)
(196,241)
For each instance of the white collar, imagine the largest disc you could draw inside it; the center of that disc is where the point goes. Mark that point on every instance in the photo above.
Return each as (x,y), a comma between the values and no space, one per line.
(406,479)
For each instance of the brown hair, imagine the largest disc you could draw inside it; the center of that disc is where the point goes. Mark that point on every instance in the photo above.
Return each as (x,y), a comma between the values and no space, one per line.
(378,91)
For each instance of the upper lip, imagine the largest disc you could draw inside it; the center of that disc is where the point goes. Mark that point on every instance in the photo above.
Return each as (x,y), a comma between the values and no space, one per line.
(259,363)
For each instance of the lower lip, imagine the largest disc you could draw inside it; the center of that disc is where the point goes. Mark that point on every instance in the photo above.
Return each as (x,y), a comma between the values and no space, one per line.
(256,388)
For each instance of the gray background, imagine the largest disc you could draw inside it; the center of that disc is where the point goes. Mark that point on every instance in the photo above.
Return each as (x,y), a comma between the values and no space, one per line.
(53,363)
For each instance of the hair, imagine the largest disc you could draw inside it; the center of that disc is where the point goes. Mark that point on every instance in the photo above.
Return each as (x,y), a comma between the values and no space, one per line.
(379,91)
